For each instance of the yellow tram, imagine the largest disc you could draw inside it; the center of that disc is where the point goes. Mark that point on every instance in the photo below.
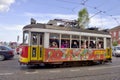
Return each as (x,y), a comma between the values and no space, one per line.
(48,44)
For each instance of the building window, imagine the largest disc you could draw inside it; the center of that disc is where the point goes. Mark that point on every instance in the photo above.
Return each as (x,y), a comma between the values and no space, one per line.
(119,34)
(110,33)
(114,34)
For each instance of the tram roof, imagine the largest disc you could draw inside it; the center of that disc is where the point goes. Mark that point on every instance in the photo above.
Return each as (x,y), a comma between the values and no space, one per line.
(65,28)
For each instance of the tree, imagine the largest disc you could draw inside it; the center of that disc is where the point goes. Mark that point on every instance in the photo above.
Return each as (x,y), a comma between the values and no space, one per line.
(83,18)
(115,43)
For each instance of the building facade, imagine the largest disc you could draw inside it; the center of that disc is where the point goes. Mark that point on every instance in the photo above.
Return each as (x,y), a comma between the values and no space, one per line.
(115,34)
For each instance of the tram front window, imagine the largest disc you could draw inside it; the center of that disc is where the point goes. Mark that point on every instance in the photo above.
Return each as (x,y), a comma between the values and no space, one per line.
(34,38)
(25,37)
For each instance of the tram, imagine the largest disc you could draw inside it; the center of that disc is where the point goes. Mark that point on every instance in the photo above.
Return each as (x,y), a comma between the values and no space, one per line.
(48,44)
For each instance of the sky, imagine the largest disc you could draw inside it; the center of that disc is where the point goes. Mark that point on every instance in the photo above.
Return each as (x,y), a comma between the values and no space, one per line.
(15,14)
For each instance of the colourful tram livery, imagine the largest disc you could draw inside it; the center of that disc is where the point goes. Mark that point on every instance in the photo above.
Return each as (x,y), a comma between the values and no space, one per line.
(48,44)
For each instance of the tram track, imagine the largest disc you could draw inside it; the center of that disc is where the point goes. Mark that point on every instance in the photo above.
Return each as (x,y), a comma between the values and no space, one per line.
(83,76)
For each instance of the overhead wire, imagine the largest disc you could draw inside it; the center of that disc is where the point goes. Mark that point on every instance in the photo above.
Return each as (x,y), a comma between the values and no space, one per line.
(105,12)
(95,14)
(115,19)
(83,3)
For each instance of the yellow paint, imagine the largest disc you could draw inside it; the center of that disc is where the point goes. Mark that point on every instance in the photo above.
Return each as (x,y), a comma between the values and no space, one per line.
(37,57)
(23,60)
(30,58)
(41,58)
(29,53)
(109,54)
(43,55)
(99,52)
(34,58)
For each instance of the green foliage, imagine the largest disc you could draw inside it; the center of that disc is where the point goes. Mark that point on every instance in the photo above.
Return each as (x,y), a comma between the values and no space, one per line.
(83,18)
(115,43)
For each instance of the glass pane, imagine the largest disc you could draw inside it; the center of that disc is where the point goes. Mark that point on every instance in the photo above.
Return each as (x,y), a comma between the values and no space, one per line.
(84,41)
(41,39)
(108,42)
(34,38)
(75,44)
(54,43)
(100,42)
(65,36)
(84,37)
(54,36)
(75,37)
(65,43)
(54,40)
(92,43)
(25,37)
(99,39)
(92,38)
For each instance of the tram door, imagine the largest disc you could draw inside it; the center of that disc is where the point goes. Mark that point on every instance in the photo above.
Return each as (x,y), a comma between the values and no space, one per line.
(36,46)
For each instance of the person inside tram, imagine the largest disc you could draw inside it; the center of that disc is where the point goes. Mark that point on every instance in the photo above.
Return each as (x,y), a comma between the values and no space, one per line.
(100,45)
(92,44)
(54,45)
(74,45)
(65,44)
(62,45)
(83,44)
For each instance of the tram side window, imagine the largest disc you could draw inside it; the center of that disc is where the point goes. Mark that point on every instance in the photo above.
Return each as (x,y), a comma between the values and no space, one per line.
(75,41)
(34,39)
(54,40)
(100,42)
(108,42)
(92,42)
(84,42)
(65,41)
(41,40)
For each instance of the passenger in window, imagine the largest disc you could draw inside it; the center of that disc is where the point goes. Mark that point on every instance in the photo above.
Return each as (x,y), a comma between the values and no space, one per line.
(92,45)
(63,45)
(66,45)
(74,45)
(54,45)
(100,45)
(83,45)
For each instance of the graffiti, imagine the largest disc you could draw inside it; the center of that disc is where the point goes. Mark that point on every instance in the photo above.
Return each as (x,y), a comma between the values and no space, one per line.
(73,54)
